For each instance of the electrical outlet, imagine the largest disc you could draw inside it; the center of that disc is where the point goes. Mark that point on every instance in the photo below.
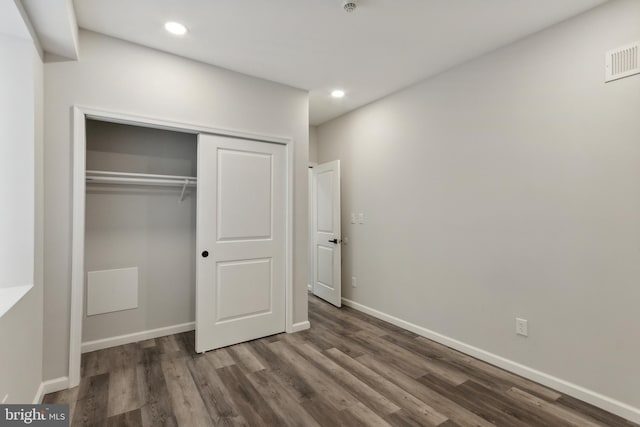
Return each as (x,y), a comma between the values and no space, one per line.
(522,328)
(354,282)
(6,396)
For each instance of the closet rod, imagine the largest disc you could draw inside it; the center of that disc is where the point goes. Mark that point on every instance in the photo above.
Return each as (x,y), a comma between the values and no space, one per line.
(146,181)
(108,177)
(93,173)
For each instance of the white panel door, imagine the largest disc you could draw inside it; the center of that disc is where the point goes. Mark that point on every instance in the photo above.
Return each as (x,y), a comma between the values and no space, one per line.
(327,250)
(241,240)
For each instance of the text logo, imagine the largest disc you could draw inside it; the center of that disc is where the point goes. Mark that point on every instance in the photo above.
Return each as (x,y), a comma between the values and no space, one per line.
(34,415)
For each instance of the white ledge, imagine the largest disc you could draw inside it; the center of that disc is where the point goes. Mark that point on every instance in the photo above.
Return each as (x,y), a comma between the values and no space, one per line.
(9,296)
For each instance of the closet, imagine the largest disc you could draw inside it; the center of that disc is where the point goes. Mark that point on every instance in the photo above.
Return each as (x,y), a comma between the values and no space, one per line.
(183,230)
(140,231)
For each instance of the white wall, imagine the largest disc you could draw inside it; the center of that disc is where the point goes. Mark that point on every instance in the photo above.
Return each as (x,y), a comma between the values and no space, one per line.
(144,227)
(17,132)
(22,206)
(119,76)
(509,186)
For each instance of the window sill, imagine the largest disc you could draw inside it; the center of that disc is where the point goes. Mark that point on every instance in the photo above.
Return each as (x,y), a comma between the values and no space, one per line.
(10,296)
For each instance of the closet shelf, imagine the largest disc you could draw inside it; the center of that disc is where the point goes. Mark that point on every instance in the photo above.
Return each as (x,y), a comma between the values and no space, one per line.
(107,177)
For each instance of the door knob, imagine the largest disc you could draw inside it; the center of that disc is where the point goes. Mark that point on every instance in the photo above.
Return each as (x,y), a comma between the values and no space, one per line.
(335,241)
(205,254)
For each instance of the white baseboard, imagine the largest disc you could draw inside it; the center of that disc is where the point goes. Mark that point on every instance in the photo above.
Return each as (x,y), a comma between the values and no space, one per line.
(607,403)
(50,386)
(39,394)
(136,336)
(300,326)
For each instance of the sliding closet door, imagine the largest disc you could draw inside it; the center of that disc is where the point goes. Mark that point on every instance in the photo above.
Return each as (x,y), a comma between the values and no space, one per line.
(241,237)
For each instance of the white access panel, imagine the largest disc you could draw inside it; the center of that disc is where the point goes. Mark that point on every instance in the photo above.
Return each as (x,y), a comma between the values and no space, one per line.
(112,290)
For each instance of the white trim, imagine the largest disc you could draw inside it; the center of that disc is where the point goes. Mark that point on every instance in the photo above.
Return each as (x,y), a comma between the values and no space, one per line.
(80,114)
(160,123)
(77,245)
(604,402)
(300,326)
(56,384)
(289,239)
(136,337)
(50,386)
(39,395)
(310,233)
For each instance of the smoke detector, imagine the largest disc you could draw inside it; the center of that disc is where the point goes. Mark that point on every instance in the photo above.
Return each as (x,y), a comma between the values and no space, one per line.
(350,5)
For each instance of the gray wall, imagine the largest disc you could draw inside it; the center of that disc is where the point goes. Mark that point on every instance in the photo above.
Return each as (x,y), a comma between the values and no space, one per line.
(313,158)
(508,186)
(144,227)
(21,327)
(120,76)
(313,144)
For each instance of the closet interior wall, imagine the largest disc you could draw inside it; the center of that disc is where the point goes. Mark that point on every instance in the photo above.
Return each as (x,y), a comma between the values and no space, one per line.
(147,227)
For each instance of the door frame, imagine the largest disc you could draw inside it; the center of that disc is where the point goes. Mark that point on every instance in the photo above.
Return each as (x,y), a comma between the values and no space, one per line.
(79,142)
(311,261)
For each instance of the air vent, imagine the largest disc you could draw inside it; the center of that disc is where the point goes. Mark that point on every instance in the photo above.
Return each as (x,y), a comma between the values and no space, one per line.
(623,62)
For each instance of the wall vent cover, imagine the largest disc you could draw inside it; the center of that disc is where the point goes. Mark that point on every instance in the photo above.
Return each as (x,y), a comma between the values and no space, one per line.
(623,62)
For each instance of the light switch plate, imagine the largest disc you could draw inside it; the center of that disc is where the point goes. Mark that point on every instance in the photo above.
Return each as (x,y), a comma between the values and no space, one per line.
(353,218)
(360,218)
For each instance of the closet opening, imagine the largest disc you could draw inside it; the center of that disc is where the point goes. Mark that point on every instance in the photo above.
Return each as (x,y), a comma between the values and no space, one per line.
(140,233)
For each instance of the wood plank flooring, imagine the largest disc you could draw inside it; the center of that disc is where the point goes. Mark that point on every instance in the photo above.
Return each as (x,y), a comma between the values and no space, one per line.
(349,369)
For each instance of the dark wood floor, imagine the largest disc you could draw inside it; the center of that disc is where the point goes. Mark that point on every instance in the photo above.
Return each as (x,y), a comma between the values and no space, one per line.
(348,369)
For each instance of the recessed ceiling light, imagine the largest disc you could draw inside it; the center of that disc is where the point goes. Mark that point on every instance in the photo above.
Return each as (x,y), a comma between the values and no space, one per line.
(337,93)
(175,28)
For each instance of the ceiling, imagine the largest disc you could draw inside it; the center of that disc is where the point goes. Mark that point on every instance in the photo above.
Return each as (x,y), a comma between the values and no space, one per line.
(383,46)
